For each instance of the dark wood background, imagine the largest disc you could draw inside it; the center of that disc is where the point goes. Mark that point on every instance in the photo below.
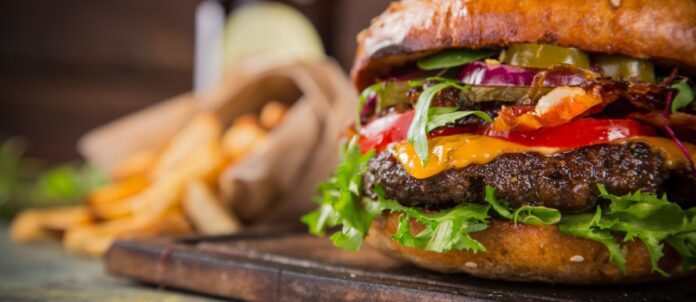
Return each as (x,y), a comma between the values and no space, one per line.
(67,66)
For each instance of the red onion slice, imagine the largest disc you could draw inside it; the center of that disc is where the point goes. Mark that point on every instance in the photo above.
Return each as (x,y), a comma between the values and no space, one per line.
(479,73)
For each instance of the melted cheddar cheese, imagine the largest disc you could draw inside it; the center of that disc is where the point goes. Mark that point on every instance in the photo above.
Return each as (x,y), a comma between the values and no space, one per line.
(459,151)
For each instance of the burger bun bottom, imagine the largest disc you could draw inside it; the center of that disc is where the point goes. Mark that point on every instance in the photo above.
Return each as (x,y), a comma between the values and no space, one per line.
(530,253)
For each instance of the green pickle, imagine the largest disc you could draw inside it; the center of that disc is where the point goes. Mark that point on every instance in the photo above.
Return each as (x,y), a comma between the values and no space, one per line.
(479,94)
(617,66)
(545,56)
(394,93)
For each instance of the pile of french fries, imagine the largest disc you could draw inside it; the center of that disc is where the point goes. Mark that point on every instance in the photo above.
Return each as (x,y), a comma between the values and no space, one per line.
(158,192)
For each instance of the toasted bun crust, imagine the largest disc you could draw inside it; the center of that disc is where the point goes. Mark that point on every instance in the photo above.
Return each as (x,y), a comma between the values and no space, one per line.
(529,253)
(661,30)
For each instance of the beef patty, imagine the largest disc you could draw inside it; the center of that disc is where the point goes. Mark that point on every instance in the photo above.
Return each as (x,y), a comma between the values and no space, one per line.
(565,181)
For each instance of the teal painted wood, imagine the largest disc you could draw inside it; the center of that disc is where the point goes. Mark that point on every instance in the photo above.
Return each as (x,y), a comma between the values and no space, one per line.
(44,272)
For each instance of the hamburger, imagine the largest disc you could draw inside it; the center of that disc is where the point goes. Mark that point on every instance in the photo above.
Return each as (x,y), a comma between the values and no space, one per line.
(549,141)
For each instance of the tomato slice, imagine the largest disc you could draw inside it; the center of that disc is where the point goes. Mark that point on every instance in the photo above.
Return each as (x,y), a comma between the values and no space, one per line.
(383,131)
(577,133)
(380,133)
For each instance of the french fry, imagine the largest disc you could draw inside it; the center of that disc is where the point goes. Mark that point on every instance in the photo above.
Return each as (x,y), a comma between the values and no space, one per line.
(240,139)
(246,119)
(135,166)
(165,193)
(113,210)
(272,114)
(111,201)
(117,191)
(42,224)
(95,240)
(152,188)
(206,212)
(202,130)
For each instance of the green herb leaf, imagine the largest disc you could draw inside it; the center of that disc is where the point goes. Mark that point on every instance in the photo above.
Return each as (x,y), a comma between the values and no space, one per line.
(340,202)
(442,118)
(418,132)
(441,110)
(453,58)
(684,96)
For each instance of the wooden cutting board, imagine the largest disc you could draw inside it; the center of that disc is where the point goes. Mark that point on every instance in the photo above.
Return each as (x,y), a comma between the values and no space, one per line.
(288,265)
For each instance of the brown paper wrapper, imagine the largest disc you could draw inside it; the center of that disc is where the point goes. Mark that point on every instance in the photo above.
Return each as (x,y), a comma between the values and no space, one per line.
(277,183)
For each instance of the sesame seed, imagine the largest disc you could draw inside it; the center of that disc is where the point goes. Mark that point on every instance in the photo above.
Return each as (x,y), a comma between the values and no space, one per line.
(471,264)
(615,3)
(577,259)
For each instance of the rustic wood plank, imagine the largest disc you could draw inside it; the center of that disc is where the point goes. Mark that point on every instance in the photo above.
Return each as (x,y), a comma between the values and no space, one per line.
(290,266)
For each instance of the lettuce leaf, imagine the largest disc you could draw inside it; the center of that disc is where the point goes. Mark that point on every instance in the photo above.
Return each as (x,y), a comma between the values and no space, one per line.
(641,215)
(340,202)
(525,214)
(443,231)
(589,226)
(645,216)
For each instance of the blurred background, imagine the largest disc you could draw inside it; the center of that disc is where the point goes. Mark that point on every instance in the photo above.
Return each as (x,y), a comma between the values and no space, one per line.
(67,66)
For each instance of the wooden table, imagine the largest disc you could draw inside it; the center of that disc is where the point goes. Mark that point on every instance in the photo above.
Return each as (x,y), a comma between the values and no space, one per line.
(45,272)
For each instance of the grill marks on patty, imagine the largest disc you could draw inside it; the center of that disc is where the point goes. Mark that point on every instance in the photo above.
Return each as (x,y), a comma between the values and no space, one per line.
(566,181)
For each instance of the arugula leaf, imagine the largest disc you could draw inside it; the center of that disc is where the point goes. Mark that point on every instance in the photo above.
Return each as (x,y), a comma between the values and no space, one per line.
(421,126)
(525,214)
(441,110)
(438,119)
(452,58)
(340,202)
(417,132)
(684,96)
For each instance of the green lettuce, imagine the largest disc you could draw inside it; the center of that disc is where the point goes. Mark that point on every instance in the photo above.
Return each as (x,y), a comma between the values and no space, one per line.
(645,216)
(443,231)
(525,214)
(340,202)
(341,205)
(652,219)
